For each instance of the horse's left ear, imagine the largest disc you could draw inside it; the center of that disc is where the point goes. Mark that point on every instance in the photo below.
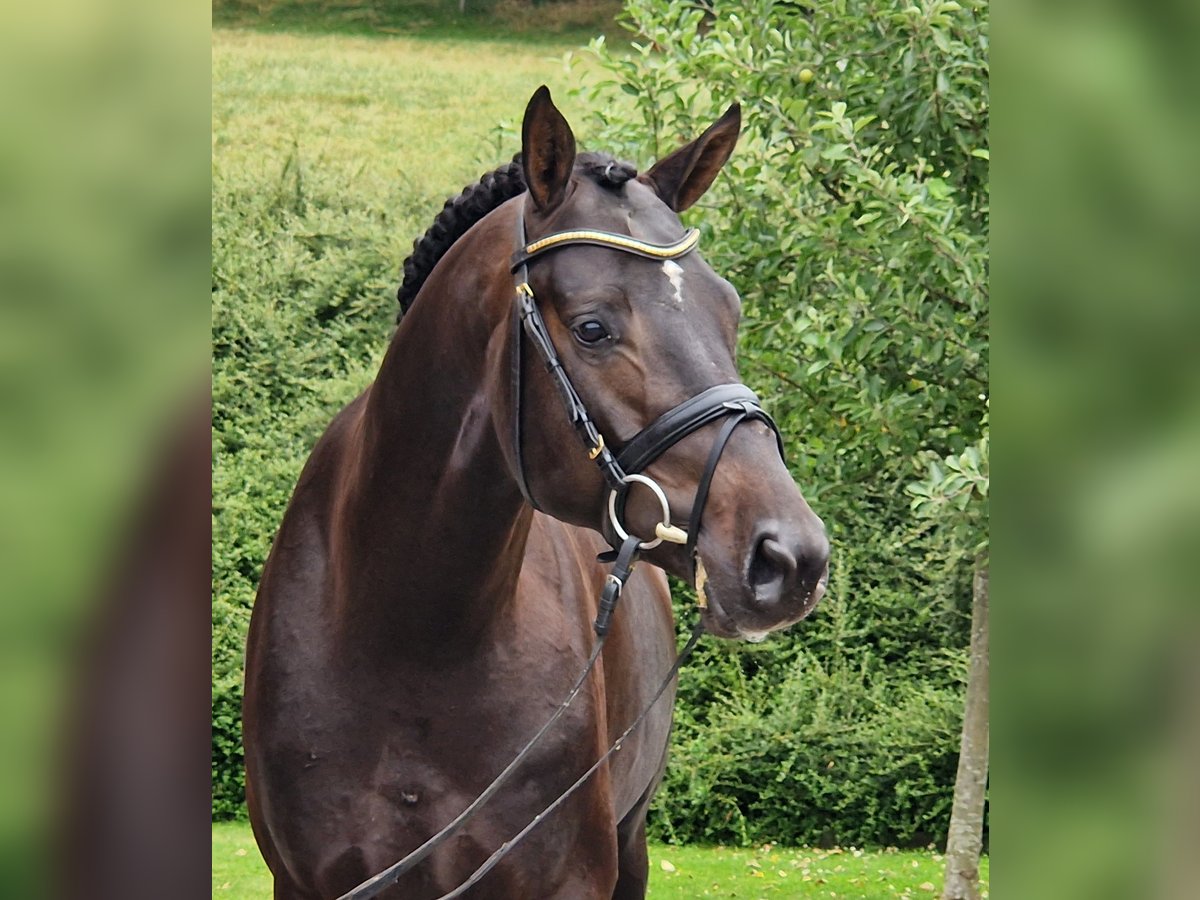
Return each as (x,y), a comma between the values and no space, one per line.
(547,151)
(682,178)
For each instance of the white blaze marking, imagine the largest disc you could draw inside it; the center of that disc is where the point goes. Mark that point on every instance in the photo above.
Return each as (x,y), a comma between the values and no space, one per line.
(674,272)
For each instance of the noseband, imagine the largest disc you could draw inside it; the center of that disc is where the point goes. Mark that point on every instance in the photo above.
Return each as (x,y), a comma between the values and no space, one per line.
(735,403)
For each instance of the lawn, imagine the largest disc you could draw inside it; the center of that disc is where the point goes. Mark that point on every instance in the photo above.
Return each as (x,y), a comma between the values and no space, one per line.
(540,23)
(680,873)
(374,113)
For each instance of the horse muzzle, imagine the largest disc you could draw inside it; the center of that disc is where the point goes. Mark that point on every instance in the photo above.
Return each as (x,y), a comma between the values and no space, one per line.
(775,582)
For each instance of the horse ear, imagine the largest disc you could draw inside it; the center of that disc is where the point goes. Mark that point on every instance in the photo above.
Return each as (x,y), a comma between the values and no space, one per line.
(682,178)
(547,151)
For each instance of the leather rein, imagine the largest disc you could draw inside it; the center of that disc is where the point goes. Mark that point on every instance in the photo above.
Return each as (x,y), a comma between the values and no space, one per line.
(735,403)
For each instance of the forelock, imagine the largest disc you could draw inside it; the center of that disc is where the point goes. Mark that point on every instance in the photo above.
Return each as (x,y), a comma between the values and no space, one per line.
(605,170)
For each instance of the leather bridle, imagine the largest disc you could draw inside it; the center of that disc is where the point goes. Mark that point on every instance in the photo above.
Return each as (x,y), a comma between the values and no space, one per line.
(735,403)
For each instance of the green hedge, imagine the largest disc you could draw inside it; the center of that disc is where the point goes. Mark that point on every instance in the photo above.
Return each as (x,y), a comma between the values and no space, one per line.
(302,273)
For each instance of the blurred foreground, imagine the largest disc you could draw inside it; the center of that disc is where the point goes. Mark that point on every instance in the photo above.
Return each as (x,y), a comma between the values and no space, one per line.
(1096,634)
(103,449)
(103,330)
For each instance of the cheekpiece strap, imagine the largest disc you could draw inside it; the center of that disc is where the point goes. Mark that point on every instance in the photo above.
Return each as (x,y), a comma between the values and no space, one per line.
(529,317)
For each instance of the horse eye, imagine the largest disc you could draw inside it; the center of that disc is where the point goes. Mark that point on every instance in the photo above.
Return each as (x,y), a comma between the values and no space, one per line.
(591,332)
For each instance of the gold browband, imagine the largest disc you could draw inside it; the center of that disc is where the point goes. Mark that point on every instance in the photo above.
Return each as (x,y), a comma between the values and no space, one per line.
(616,241)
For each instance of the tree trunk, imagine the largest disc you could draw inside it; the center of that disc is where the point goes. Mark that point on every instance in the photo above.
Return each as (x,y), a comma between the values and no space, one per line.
(965,840)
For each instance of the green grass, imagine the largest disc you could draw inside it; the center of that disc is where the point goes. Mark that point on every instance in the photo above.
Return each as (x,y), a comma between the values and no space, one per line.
(523,20)
(679,873)
(384,122)
(238,869)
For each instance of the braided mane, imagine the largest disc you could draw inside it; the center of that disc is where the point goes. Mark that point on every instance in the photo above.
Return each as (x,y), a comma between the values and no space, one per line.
(476,201)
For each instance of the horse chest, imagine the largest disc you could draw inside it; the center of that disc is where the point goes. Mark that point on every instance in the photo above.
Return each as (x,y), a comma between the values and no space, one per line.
(442,738)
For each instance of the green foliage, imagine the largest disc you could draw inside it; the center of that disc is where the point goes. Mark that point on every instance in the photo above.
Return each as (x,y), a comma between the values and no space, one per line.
(529,21)
(824,756)
(954,493)
(853,219)
(228,778)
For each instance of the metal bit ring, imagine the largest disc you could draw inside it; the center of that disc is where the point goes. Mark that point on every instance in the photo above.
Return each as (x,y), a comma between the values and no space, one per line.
(662,500)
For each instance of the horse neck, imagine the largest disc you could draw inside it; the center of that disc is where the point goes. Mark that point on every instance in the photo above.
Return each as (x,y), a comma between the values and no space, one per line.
(432,526)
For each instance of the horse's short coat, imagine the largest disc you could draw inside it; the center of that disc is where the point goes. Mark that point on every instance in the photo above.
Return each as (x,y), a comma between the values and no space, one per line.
(416,621)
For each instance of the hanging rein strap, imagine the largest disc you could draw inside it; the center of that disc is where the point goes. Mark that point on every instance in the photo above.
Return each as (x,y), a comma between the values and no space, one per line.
(504,849)
(381,881)
(393,873)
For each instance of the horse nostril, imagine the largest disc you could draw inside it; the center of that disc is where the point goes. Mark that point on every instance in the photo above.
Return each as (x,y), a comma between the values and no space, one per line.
(786,565)
(772,568)
(774,551)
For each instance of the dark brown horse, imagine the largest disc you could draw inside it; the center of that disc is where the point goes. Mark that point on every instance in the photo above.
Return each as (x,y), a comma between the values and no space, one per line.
(417,620)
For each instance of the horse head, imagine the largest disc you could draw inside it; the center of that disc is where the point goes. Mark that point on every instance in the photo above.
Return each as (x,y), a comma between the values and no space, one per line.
(638,334)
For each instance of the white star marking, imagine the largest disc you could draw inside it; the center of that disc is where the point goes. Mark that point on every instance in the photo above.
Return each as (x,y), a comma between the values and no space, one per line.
(674,272)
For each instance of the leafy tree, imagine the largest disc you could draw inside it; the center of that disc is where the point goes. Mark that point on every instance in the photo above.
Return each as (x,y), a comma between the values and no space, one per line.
(954,495)
(853,219)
